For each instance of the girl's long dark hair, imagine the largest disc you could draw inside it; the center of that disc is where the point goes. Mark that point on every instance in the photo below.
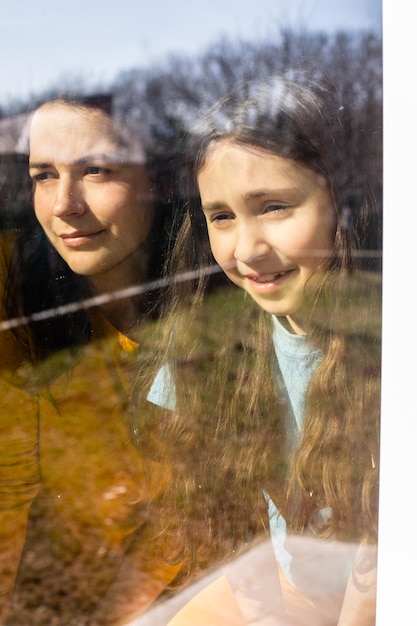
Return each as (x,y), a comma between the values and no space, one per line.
(229,419)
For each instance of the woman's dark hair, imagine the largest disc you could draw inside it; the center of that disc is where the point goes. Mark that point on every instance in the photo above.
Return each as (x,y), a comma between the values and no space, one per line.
(40,282)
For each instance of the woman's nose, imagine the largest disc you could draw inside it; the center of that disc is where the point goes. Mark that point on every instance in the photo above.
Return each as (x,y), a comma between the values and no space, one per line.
(69,199)
(250,244)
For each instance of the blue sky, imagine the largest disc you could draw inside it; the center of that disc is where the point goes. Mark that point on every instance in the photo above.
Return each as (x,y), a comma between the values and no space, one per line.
(46,42)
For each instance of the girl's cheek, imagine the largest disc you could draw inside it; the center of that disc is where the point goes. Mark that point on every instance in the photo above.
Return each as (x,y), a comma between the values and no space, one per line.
(215,247)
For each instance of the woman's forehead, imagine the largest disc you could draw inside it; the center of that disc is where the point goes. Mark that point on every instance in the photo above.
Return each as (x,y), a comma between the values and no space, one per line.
(66,133)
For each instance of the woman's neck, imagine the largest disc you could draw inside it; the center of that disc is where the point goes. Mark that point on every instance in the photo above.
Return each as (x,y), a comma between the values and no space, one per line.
(123,314)
(123,311)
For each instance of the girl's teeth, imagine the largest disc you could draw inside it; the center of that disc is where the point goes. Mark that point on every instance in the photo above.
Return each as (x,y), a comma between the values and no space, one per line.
(267,279)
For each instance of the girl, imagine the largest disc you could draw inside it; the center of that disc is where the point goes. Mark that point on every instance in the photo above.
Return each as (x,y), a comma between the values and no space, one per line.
(269,176)
(98,227)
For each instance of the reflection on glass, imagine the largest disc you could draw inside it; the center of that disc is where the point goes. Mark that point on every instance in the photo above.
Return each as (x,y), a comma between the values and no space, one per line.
(292,440)
(223,434)
(70,471)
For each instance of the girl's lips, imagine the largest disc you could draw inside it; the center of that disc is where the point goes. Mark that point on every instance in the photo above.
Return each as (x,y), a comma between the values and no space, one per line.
(265,278)
(267,281)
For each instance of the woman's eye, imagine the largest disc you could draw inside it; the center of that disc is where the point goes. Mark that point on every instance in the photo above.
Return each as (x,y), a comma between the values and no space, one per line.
(41,176)
(95,170)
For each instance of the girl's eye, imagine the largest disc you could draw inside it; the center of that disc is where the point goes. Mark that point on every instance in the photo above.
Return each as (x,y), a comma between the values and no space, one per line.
(221,219)
(276,208)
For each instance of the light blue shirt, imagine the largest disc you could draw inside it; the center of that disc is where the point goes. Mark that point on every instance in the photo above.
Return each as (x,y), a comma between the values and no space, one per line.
(329,561)
(313,565)
(297,362)
(162,391)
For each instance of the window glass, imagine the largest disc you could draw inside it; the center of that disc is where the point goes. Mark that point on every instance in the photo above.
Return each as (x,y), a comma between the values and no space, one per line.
(191,269)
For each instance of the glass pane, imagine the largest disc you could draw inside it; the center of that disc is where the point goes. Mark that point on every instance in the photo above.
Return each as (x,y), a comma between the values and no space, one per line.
(191,266)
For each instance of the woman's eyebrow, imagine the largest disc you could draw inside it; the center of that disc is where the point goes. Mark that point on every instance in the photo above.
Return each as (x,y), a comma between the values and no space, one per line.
(39,166)
(90,158)
(114,157)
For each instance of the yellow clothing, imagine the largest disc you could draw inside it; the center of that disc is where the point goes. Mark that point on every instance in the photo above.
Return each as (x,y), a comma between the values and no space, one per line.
(19,469)
(88,551)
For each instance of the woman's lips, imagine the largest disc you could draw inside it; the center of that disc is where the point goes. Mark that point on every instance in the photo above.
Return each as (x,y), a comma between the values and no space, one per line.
(73,240)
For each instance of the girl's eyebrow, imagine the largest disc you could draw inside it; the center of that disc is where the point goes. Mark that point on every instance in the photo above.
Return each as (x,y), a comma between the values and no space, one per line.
(256,194)
(209,207)
(260,193)
(253,195)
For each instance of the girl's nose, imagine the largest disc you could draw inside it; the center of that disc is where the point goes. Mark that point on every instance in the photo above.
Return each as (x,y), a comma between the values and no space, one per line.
(68,200)
(250,244)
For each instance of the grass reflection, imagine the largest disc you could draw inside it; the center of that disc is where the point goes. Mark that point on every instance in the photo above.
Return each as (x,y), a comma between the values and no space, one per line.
(88,558)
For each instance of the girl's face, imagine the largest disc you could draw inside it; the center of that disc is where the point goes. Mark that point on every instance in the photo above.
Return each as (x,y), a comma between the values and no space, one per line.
(270,222)
(95,209)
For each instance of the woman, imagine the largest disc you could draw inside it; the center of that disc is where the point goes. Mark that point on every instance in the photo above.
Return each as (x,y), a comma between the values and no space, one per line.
(76,306)
(269,175)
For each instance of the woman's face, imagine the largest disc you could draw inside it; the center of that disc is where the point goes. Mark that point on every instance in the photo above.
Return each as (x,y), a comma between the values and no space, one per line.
(270,222)
(95,209)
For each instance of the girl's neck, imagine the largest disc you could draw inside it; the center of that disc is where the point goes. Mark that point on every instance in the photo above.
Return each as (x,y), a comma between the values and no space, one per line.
(292,325)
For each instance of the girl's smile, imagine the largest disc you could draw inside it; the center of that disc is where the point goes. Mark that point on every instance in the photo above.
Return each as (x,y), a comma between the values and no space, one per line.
(267,282)
(270,221)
